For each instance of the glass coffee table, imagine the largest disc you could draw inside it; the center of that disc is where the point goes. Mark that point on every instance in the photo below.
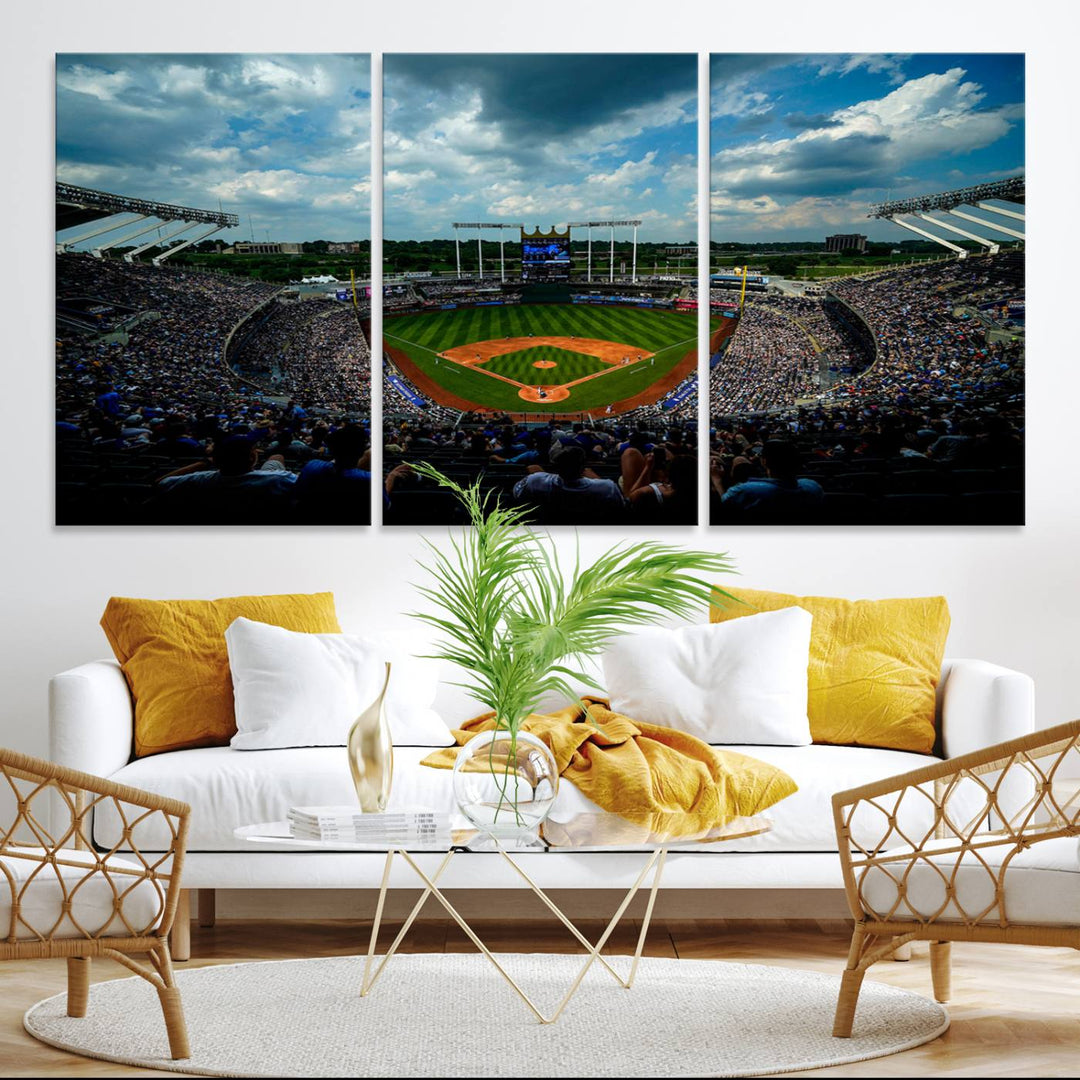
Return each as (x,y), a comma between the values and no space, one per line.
(652,835)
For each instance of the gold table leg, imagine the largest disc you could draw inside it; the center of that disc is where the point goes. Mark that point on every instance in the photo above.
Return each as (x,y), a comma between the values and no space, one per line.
(655,860)
(367,983)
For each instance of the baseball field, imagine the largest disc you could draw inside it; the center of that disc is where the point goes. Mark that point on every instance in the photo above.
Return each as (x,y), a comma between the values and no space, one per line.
(544,357)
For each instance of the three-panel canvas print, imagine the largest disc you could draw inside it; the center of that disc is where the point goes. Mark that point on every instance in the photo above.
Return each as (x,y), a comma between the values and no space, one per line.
(855,357)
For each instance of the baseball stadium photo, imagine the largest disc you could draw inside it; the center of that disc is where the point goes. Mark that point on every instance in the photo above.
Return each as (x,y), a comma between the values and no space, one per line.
(868,267)
(541,336)
(213,290)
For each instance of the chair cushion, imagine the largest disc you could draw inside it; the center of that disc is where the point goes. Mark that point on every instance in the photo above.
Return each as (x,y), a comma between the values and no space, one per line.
(92,911)
(1041,885)
(227,788)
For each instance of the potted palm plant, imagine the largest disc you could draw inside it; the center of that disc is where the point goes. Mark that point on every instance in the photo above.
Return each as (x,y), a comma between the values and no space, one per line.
(518,627)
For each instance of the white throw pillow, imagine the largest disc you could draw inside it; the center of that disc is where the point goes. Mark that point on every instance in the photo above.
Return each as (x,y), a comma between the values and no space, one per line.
(297,689)
(742,682)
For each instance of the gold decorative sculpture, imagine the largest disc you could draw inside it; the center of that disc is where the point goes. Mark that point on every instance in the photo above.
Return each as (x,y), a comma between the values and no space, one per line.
(371,754)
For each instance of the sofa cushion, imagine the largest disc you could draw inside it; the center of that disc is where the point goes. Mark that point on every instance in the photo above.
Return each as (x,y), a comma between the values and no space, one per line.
(295,689)
(874,664)
(1041,885)
(739,682)
(92,912)
(174,658)
(227,788)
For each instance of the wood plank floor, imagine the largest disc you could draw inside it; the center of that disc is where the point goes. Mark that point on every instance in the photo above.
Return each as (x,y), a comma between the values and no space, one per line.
(1015,1009)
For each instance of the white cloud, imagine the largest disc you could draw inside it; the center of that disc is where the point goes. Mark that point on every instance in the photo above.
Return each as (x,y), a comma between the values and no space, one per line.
(929,117)
(875,64)
(98,83)
(625,175)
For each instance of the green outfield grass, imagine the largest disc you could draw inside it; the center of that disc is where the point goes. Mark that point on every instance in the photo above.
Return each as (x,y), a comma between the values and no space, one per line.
(669,334)
(521,365)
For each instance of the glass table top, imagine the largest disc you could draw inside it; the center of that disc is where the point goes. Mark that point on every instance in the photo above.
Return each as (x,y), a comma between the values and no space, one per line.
(580,832)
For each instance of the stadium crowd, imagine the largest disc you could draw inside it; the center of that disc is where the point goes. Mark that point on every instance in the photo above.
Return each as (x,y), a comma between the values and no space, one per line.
(932,431)
(769,361)
(153,427)
(583,473)
(312,350)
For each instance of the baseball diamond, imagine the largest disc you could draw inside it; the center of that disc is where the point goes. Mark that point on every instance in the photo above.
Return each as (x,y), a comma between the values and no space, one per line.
(546,357)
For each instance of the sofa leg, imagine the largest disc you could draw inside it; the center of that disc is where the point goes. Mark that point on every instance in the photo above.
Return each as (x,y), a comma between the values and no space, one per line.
(180,939)
(902,952)
(78,972)
(941,969)
(207,907)
(850,985)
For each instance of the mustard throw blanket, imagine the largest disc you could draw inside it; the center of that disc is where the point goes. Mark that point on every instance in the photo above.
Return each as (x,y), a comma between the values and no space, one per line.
(638,770)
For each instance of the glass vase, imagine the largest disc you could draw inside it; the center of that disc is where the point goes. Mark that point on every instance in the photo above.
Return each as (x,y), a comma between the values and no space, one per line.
(505,784)
(371,754)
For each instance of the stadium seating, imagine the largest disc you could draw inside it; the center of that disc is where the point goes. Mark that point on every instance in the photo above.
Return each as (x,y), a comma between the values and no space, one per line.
(157,390)
(916,430)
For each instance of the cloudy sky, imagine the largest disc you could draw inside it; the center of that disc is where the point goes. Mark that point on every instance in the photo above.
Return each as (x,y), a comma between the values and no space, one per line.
(801,144)
(284,139)
(540,139)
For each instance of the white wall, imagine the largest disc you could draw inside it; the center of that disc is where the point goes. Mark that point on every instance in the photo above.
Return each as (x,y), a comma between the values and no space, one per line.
(1013,591)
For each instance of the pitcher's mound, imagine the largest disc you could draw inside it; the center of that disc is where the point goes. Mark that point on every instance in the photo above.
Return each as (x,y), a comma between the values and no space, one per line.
(550,394)
(545,364)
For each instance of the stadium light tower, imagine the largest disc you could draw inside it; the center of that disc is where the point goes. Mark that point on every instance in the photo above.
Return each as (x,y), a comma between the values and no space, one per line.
(612,225)
(480,226)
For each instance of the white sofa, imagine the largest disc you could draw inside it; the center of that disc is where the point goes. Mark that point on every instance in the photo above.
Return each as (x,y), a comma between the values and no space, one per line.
(91,729)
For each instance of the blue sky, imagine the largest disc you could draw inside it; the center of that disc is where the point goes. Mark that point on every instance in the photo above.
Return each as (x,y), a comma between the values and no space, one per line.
(801,144)
(285,139)
(540,139)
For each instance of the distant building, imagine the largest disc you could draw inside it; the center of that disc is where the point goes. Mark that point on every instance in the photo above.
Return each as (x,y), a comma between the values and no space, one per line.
(244,247)
(846,242)
(347,247)
(682,250)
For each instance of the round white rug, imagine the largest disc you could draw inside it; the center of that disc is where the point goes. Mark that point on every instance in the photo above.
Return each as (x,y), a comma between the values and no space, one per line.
(452,1015)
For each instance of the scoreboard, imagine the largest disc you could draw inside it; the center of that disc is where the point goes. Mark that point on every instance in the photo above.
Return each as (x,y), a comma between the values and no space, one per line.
(545,256)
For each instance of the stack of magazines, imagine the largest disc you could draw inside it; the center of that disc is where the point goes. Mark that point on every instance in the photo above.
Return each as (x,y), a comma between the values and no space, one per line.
(409,827)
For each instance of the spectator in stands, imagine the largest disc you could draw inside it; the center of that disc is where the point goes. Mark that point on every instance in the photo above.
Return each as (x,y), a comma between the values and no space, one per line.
(778,496)
(235,490)
(660,487)
(569,495)
(959,449)
(338,492)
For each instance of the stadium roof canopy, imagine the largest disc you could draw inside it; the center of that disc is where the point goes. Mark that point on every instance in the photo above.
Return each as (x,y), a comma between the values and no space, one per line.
(901,211)
(1011,190)
(76,205)
(105,212)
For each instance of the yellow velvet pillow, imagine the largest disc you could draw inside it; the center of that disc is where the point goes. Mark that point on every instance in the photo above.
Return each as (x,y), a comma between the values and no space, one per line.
(874,665)
(174,657)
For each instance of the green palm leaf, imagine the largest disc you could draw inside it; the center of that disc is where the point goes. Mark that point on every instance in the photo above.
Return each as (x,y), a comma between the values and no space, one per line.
(514,623)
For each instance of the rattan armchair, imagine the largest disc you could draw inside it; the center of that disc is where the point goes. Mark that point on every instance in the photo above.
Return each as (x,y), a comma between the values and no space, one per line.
(59,897)
(977,848)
